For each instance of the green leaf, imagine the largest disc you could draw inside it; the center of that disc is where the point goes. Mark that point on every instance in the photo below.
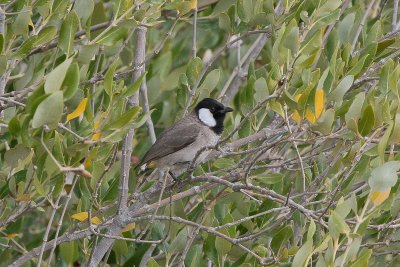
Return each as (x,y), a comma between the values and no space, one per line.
(71,81)
(353,114)
(35,99)
(14,126)
(384,44)
(4,243)
(223,5)
(67,33)
(3,63)
(384,142)
(21,23)
(223,163)
(261,89)
(384,76)
(311,44)
(109,79)
(142,120)
(384,177)
(133,88)
(84,9)
(211,81)
(39,187)
(337,225)
(45,35)
(281,236)
(367,121)
(16,154)
(324,123)
(179,242)
(193,70)
(304,254)
(25,48)
(354,247)
(1,43)
(269,178)
(56,77)
(224,22)
(87,53)
(113,36)
(245,10)
(363,258)
(69,252)
(329,6)
(124,119)
(358,66)
(49,111)
(395,136)
(222,245)
(344,28)
(292,37)
(311,230)
(152,263)
(184,7)
(120,247)
(341,89)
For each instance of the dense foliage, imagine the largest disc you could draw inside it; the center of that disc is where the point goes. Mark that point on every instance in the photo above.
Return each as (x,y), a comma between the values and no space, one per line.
(304,175)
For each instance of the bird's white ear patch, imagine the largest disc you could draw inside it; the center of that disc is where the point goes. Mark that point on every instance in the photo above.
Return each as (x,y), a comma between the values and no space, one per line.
(207,117)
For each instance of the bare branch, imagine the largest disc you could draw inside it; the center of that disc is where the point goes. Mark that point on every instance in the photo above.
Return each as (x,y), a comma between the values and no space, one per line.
(194,37)
(60,221)
(46,234)
(364,18)
(394,18)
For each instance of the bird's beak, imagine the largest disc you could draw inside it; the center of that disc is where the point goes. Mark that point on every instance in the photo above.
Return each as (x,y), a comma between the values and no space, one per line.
(228,109)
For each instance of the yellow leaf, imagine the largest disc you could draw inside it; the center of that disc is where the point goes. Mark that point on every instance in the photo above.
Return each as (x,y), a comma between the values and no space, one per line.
(12,235)
(296,117)
(78,111)
(310,116)
(97,123)
(83,216)
(80,216)
(96,136)
(378,197)
(319,102)
(193,4)
(89,159)
(88,162)
(23,197)
(30,23)
(96,220)
(129,227)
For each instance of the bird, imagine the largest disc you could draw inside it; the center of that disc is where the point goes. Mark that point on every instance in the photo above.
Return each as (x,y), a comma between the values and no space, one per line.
(178,145)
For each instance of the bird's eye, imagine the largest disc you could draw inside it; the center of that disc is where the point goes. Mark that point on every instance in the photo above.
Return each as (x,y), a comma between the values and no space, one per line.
(212,109)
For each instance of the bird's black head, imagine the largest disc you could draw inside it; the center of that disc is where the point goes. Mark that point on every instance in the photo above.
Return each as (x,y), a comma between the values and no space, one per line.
(212,113)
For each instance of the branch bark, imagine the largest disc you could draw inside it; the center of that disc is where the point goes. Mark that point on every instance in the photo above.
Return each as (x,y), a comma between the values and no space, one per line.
(3,78)
(242,72)
(103,246)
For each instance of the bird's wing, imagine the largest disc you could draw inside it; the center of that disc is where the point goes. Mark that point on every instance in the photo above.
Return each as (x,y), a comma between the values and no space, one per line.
(182,134)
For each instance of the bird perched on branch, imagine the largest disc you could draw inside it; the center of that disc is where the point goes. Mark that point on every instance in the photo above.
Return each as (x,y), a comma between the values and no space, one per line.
(178,146)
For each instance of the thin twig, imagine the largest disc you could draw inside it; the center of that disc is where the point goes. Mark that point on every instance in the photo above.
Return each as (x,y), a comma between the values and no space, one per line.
(364,18)
(394,18)
(194,40)
(303,175)
(46,234)
(4,77)
(60,221)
